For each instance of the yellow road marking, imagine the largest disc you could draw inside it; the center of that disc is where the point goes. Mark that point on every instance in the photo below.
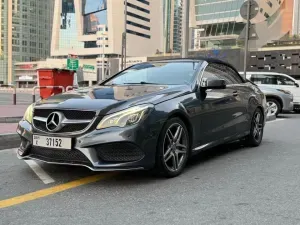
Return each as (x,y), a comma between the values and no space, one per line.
(52,190)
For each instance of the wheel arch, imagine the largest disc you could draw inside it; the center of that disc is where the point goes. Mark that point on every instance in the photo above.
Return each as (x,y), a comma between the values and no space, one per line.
(181,115)
(276,98)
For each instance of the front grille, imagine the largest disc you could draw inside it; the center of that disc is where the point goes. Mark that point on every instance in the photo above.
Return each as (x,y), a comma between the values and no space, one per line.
(69,114)
(67,128)
(60,156)
(119,152)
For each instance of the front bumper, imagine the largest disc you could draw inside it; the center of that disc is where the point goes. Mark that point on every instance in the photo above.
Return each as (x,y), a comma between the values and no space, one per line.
(288,107)
(111,149)
(296,106)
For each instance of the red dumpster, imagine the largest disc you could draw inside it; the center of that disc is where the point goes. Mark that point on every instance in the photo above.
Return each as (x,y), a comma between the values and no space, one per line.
(54,77)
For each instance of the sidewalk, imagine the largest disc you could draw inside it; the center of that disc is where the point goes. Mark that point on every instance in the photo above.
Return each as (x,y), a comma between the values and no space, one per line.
(8,128)
(9,116)
(8,136)
(11,113)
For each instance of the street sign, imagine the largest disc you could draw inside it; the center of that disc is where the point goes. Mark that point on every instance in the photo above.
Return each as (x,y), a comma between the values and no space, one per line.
(72,64)
(253,9)
(88,67)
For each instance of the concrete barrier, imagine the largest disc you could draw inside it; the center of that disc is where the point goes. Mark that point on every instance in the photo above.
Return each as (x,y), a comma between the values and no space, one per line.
(8,141)
(10,119)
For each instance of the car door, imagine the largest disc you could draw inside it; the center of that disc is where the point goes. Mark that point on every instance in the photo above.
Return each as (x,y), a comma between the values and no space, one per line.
(286,83)
(219,108)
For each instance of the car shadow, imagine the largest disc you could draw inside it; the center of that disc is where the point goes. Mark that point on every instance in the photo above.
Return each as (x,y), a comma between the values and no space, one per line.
(213,153)
(69,173)
(144,177)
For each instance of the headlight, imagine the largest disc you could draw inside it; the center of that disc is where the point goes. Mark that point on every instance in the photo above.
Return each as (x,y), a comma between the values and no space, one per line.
(284,91)
(126,117)
(28,114)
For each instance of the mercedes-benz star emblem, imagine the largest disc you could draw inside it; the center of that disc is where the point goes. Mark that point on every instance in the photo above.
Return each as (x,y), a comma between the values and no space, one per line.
(53,122)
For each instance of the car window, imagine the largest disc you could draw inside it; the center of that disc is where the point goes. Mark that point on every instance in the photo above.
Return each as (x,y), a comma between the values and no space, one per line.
(282,80)
(234,75)
(166,73)
(222,72)
(264,79)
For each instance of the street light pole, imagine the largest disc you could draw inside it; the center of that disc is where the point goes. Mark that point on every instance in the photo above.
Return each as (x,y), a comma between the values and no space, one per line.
(247,39)
(123,56)
(125,32)
(103,78)
(185,28)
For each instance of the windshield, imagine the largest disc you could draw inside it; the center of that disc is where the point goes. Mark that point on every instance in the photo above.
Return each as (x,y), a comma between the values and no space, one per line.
(166,73)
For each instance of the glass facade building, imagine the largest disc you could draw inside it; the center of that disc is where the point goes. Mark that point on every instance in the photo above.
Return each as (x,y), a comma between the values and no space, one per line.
(26,27)
(93,14)
(219,22)
(216,9)
(68,31)
(172,25)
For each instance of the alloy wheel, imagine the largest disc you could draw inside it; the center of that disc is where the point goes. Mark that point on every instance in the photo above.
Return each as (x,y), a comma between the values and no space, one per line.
(272,108)
(257,126)
(175,147)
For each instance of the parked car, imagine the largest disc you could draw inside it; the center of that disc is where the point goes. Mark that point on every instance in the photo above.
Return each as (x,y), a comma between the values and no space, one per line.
(153,115)
(279,81)
(278,100)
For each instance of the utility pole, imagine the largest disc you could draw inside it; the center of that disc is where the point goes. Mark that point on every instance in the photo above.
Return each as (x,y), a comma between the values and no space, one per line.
(103,76)
(247,38)
(124,37)
(185,29)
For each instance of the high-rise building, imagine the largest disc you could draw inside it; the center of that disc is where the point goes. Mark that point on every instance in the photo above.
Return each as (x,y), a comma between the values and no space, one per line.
(296,18)
(221,23)
(26,27)
(93,29)
(78,26)
(172,22)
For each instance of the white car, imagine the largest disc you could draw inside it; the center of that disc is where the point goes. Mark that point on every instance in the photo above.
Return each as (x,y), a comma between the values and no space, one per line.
(278,81)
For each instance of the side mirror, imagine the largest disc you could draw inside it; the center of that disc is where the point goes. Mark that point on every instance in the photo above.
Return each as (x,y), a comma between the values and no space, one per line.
(296,84)
(213,83)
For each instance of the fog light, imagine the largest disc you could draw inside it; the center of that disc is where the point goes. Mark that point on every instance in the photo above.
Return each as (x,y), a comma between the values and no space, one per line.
(24,147)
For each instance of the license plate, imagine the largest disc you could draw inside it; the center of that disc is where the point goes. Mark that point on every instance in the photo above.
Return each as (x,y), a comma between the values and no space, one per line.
(52,142)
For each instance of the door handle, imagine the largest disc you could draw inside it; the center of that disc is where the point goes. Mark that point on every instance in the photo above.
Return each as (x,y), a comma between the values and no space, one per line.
(235,93)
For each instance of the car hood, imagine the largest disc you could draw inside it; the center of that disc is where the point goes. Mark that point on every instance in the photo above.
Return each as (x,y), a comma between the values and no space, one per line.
(109,99)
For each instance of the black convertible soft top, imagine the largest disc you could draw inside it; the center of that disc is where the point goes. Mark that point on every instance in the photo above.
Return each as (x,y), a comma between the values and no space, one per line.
(201,58)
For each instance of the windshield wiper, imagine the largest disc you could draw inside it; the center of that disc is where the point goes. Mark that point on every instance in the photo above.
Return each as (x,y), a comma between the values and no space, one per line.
(143,82)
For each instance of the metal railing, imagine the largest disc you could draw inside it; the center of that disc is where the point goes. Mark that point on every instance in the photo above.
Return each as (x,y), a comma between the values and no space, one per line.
(39,87)
(14,89)
(71,87)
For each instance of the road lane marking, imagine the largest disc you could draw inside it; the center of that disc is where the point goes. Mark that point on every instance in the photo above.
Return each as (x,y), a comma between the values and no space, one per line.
(53,190)
(275,120)
(9,150)
(39,172)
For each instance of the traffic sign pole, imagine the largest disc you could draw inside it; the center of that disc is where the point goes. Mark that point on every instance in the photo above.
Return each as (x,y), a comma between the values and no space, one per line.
(247,39)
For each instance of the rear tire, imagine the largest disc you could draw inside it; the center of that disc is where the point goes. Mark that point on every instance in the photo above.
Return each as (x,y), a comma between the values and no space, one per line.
(173,148)
(274,107)
(257,129)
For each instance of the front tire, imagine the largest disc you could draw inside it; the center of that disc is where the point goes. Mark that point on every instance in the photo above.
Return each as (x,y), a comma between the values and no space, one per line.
(257,129)
(172,149)
(274,107)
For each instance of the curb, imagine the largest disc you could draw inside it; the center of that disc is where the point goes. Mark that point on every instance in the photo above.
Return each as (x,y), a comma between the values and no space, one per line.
(10,119)
(8,141)
(271,118)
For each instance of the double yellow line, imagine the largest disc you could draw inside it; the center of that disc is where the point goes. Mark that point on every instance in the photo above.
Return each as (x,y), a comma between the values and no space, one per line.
(52,190)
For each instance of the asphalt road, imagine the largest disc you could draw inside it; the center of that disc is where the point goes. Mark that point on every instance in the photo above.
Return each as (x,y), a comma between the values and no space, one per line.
(227,185)
(22,98)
